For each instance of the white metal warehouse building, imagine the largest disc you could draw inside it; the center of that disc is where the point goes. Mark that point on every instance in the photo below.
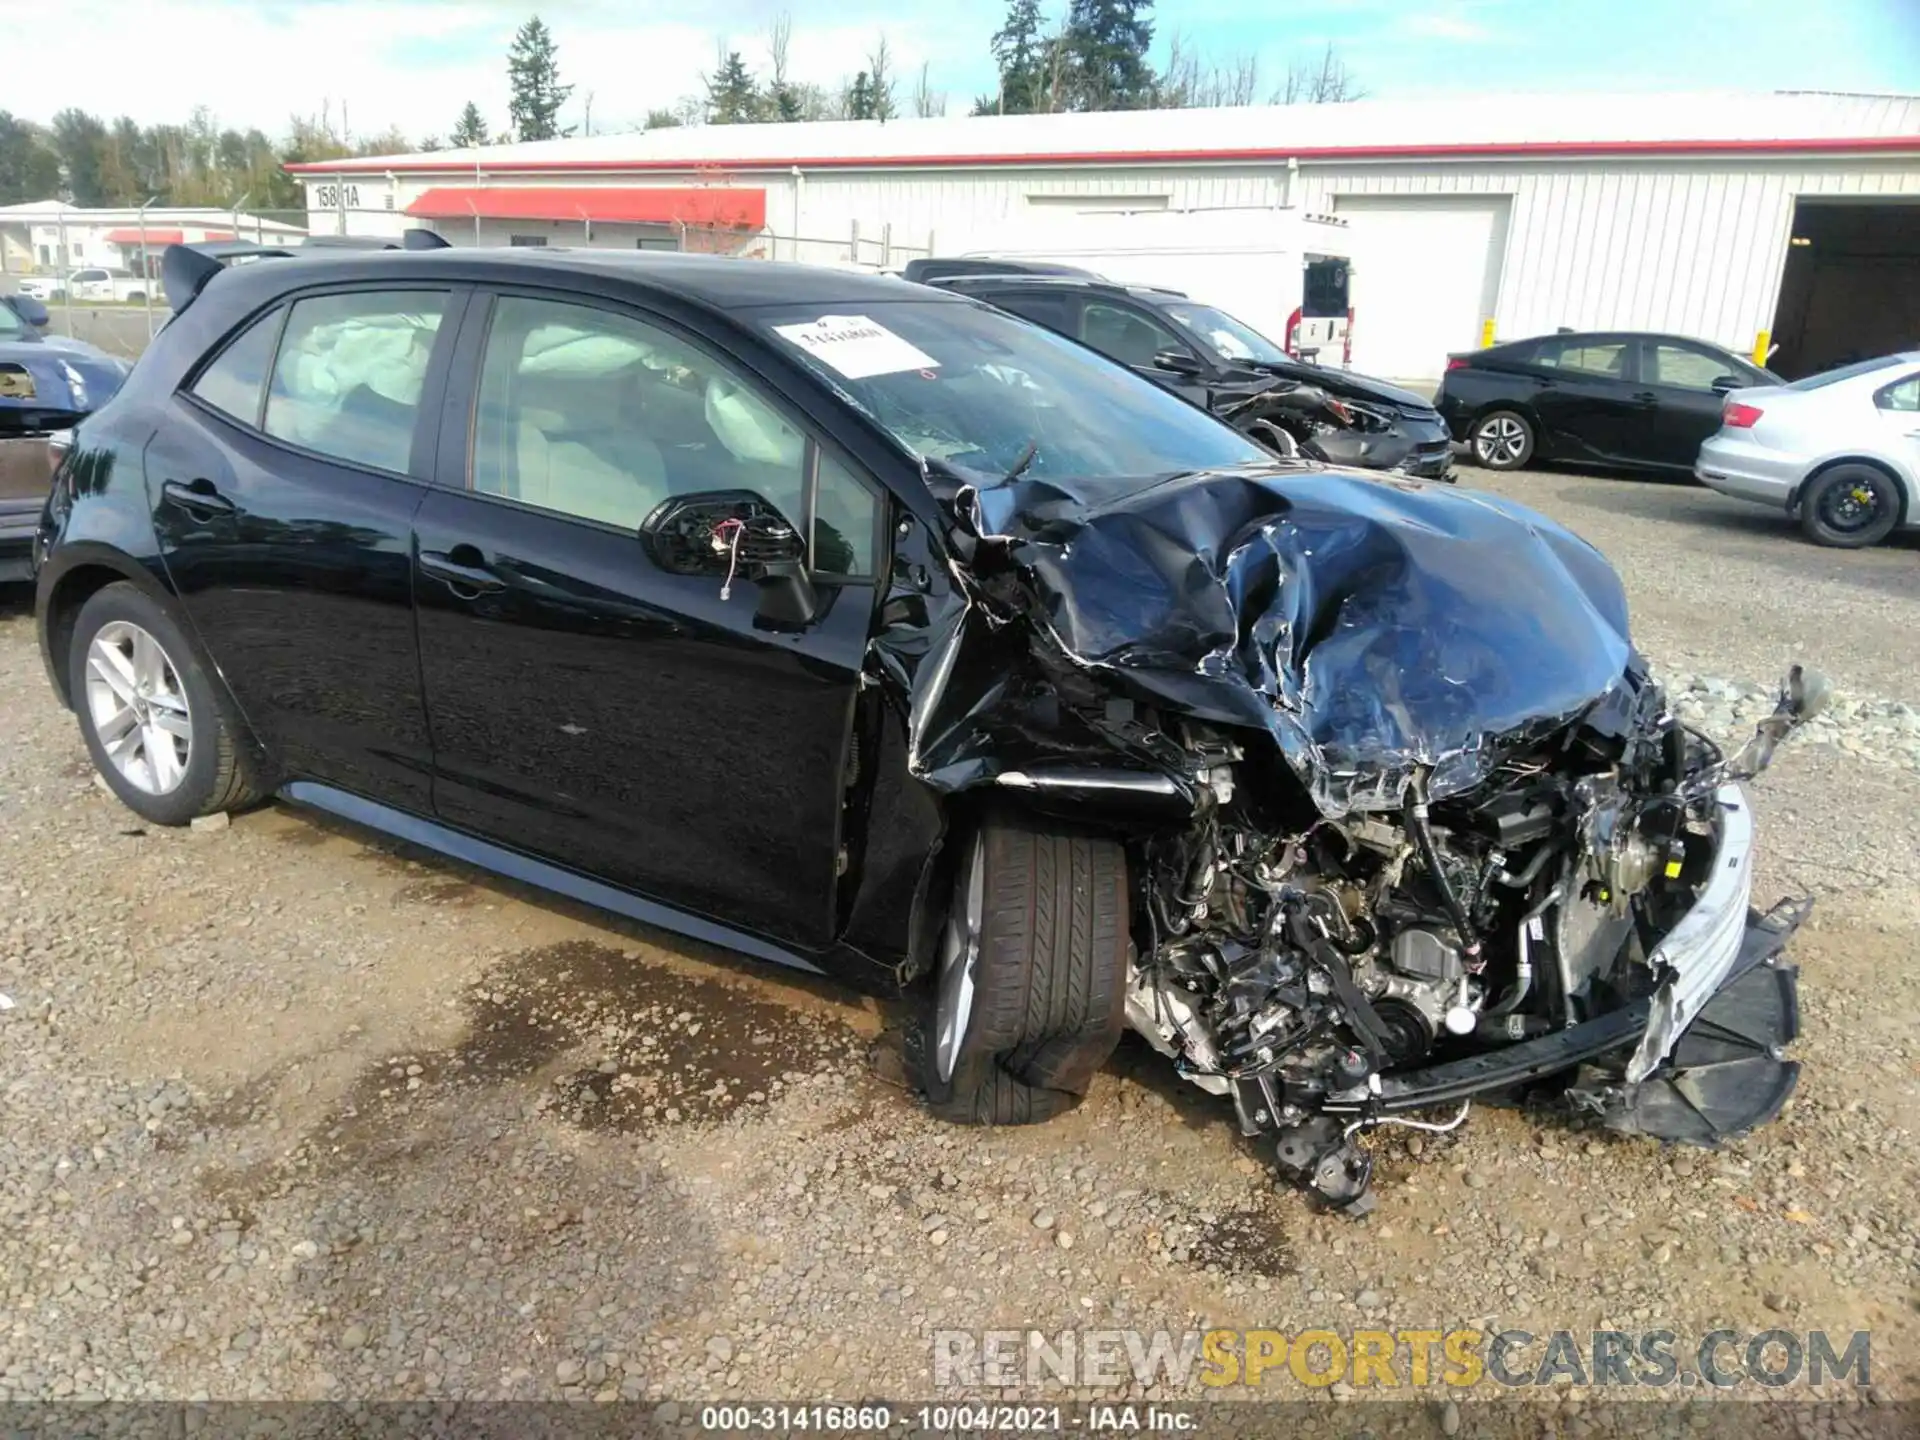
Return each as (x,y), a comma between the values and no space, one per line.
(1739,218)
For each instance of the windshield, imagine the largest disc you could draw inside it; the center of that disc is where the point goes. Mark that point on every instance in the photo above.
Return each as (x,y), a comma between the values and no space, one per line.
(1233,339)
(979,389)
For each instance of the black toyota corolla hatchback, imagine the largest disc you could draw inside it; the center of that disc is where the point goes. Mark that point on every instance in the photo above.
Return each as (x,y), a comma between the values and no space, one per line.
(872,630)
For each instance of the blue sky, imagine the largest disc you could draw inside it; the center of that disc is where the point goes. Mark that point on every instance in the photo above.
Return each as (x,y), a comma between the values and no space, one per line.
(414,62)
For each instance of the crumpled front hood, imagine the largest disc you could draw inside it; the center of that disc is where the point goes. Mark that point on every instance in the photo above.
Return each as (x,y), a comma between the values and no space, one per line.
(1372,626)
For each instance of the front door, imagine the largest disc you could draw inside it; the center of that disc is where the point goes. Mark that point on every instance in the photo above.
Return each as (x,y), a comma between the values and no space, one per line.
(1585,397)
(593,709)
(1136,339)
(283,490)
(1682,408)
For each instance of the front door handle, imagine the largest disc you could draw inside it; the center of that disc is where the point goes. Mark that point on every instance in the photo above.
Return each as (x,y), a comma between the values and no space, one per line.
(198,496)
(462,570)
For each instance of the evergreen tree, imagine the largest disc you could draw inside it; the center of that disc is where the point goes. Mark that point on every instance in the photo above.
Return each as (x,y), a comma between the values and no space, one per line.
(533,77)
(1020,50)
(470,129)
(29,168)
(859,98)
(660,120)
(732,96)
(78,139)
(1107,42)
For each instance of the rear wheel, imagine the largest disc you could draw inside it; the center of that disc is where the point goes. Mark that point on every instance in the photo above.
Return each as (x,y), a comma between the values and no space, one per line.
(159,732)
(1502,440)
(1030,993)
(1850,506)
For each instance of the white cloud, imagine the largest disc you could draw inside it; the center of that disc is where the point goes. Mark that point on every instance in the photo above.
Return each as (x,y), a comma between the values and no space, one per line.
(1448,26)
(415,64)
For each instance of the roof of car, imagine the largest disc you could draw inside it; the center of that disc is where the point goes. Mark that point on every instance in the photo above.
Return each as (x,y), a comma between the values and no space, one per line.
(1053,282)
(720,282)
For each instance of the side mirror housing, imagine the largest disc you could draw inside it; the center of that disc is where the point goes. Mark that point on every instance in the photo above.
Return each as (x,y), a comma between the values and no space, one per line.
(1725,383)
(1177,362)
(735,536)
(29,310)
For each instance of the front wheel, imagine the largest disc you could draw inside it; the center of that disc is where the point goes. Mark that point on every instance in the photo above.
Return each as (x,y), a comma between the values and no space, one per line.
(1030,993)
(1850,507)
(158,730)
(1502,440)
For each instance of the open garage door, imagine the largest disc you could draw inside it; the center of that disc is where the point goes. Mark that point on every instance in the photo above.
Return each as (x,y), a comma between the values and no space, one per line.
(1851,288)
(1426,273)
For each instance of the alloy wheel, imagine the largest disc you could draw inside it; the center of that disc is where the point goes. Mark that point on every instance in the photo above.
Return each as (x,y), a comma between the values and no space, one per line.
(1501,440)
(138,708)
(959,962)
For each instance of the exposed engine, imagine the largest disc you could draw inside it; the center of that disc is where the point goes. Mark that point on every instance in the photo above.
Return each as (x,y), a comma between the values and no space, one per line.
(1291,968)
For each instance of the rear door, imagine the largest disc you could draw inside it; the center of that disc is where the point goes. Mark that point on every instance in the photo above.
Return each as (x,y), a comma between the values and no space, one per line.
(593,709)
(283,481)
(1583,395)
(1897,406)
(1681,406)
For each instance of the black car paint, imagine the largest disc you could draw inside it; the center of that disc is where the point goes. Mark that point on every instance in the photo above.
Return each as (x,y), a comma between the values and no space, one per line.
(1217,382)
(759,810)
(1611,420)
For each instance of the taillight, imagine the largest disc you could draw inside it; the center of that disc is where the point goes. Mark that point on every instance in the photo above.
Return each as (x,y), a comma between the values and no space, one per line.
(1740,417)
(1457,362)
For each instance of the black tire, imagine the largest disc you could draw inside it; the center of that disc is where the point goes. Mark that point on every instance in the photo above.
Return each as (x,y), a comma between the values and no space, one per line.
(1502,440)
(1850,507)
(221,772)
(1049,996)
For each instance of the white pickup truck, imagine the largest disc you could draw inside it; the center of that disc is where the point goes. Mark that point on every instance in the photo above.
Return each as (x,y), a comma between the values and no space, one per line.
(95,283)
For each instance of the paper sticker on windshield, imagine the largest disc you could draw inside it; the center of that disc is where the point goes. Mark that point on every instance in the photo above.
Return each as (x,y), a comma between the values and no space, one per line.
(856,346)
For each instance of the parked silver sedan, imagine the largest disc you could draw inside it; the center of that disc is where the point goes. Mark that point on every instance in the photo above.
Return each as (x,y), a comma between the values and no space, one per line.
(1839,450)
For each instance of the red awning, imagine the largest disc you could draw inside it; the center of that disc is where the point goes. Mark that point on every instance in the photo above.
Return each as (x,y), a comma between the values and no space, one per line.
(156,238)
(735,209)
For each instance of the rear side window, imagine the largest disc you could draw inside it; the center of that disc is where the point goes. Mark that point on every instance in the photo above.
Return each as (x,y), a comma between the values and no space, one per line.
(1053,311)
(350,371)
(236,381)
(1606,358)
(1904,396)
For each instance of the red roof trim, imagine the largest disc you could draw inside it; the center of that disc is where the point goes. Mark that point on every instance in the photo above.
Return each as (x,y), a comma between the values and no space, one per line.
(738,209)
(1521,150)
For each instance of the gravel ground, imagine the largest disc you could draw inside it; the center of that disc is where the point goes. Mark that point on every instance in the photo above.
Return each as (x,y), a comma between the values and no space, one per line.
(289,1114)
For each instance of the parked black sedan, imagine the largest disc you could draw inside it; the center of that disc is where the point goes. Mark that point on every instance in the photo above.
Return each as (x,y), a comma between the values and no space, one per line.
(1620,398)
(1222,364)
(868,629)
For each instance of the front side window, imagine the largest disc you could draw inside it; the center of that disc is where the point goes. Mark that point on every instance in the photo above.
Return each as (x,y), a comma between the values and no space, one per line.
(12,327)
(348,378)
(237,379)
(976,390)
(601,417)
(1125,334)
(1604,358)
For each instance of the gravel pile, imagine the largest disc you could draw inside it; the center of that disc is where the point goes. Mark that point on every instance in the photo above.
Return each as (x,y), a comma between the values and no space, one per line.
(1869,726)
(286,1115)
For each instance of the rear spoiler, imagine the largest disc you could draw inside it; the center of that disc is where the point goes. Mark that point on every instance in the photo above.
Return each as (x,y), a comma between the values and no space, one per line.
(186,269)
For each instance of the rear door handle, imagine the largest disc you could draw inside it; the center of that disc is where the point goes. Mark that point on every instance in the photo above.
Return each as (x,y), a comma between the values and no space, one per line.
(1646,397)
(196,495)
(462,570)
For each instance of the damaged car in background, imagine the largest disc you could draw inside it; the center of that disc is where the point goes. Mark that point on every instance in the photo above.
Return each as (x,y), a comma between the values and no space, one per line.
(969,665)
